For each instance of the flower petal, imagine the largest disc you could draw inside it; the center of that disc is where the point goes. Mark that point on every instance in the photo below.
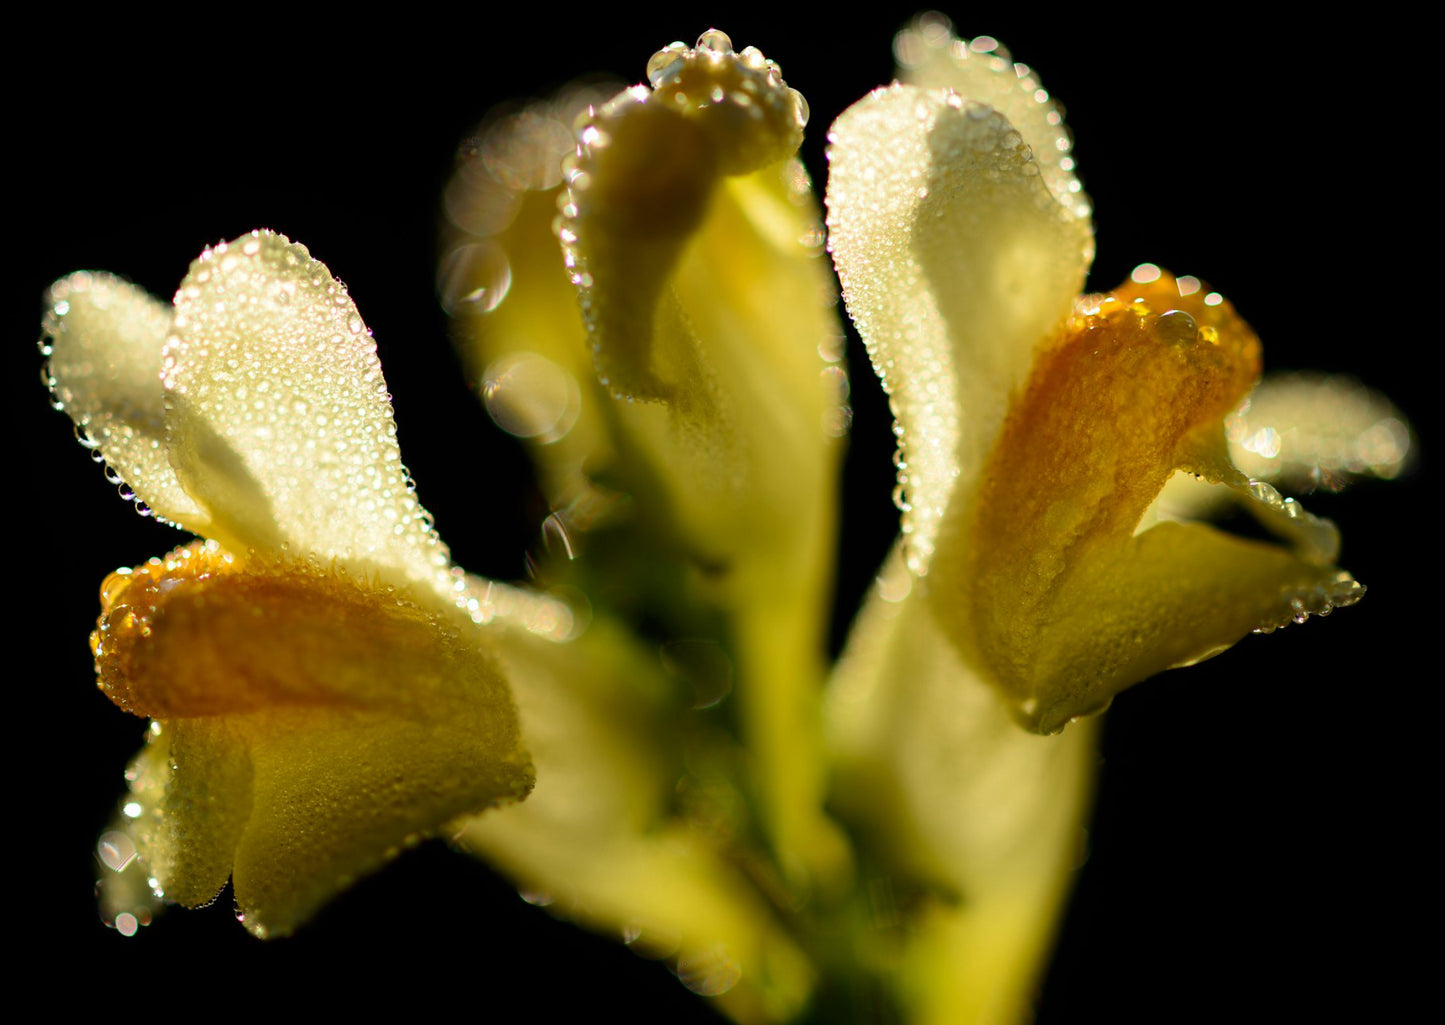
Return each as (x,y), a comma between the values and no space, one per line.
(931,56)
(1312,431)
(104,338)
(502,281)
(976,822)
(190,799)
(1067,605)
(601,841)
(956,261)
(312,724)
(278,420)
(695,245)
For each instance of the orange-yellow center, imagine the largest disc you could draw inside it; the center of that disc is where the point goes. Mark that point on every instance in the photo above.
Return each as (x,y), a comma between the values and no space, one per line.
(1135,386)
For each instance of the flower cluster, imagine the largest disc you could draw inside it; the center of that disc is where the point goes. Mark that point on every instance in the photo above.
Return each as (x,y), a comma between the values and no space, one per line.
(641,284)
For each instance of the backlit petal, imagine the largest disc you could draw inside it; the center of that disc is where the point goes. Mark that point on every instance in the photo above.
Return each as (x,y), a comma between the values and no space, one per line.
(104,337)
(695,245)
(956,261)
(278,419)
(930,56)
(1309,431)
(978,821)
(503,282)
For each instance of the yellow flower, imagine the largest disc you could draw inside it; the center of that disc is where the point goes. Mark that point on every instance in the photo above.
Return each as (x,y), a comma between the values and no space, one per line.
(326,686)
(1037,427)
(320,689)
(1035,572)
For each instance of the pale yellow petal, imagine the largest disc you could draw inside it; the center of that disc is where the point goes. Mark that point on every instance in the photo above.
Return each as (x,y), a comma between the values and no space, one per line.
(190,799)
(976,823)
(337,794)
(278,420)
(930,56)
(695,244)
(956,262)
(1174,595)
(1308,431)
(104,338)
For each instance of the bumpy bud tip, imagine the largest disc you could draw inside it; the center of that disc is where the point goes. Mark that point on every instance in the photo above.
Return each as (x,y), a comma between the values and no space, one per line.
(739,97)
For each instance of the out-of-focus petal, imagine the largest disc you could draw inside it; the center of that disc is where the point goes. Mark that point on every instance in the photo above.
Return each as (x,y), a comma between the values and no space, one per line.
(600,840)
(278,417)
(956,261)
(104,338)
(978,821)
(1308,431)
(502,281)
(312,724)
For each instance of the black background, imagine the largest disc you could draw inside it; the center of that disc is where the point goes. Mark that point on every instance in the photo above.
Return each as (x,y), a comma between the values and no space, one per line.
(1259,844)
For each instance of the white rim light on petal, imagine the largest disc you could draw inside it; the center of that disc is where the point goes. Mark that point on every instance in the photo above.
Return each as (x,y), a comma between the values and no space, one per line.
(104,339)
(956,261)
(931,56)
(278,419)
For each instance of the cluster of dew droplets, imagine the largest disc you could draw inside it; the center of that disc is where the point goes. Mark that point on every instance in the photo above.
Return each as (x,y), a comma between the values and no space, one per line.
(1297,605)
(1320,540)
(119,423)
(269,350)
(129,895)
(929,53)
(750,111)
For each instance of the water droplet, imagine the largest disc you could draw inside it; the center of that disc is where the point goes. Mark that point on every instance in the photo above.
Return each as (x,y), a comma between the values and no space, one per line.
(116,850)
(715,41)
(474,278)
(529,396)
(1266,493)
(1176,327)
(800,107)
(664,63)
